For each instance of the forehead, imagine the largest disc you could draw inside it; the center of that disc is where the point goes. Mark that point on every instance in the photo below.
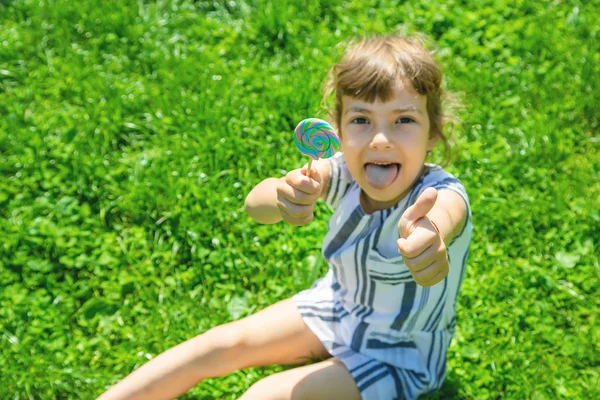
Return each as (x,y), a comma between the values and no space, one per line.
(403,97)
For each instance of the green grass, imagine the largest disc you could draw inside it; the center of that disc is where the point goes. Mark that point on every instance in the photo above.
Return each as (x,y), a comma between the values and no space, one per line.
(130,133)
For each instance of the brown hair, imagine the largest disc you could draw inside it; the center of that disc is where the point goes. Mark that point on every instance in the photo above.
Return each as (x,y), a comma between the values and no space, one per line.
(373,67)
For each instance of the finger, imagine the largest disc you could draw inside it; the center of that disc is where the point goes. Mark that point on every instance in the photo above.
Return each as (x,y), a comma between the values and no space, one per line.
(437,278)
(422,206)
(426,258)
(296,196)
(429,272)
(294,210)
(296,221)
(314,173)
(419,241)
(302,182)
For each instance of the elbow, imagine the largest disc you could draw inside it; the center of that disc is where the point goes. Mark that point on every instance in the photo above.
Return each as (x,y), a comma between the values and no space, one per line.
(249,207)
(256,211)
(260,204)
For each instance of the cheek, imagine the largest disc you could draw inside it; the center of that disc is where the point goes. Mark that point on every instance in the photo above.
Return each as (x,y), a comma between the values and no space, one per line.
(352,153)
(415,140)
(354,140)
(348,143)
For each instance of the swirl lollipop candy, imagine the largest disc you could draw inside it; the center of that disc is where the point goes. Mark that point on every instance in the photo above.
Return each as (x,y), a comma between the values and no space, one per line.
(317,139)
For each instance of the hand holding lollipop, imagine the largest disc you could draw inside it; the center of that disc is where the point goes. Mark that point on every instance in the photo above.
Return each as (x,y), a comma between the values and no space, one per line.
(317,139)
(298,192)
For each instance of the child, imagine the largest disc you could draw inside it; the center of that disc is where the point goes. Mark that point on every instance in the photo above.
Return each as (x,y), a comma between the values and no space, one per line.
(384,313)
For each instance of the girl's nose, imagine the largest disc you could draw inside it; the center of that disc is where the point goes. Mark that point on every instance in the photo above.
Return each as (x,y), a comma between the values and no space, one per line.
(380,141)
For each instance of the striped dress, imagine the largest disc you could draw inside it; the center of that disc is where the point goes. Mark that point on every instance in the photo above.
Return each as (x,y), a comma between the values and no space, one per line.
(391,333)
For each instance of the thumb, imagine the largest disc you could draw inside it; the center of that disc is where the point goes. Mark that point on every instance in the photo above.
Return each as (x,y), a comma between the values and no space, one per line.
(314,173)
(422,206)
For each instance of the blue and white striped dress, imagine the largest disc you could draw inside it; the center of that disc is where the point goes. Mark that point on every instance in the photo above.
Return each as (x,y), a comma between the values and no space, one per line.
(391,333)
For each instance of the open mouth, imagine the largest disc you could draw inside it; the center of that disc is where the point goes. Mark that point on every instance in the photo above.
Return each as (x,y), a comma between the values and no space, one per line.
(381,174)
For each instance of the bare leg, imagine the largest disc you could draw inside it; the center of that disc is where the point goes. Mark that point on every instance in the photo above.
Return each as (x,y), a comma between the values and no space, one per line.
(275,335)
(325,380)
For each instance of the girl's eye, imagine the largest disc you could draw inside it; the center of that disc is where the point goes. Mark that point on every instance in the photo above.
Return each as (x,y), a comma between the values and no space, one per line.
(405,120)
(359,120)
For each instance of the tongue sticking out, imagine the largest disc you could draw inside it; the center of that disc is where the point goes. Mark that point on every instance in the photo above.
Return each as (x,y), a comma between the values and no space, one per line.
(381,175)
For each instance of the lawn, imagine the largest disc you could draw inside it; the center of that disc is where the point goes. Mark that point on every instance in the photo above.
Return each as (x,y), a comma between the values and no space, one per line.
(131,132)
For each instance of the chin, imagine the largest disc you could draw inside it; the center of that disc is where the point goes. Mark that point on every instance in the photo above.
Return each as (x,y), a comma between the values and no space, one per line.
(386,195)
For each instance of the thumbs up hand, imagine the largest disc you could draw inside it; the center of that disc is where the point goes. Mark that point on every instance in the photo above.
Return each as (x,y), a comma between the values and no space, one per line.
(420,243)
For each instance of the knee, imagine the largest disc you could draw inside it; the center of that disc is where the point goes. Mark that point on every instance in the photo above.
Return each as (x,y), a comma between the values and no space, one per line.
(281,386)
(269,388)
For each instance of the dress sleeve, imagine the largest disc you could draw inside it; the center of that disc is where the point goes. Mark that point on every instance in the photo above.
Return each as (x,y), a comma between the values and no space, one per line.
(340,180)
(440,179)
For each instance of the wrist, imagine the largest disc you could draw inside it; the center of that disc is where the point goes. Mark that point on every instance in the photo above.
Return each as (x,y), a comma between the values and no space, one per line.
(442,223)
(434,225)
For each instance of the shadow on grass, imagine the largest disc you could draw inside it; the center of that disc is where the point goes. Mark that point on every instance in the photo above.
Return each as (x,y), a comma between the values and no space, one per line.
(449,390)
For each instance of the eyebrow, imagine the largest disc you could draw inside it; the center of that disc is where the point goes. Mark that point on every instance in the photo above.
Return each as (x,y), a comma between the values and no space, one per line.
(397,110)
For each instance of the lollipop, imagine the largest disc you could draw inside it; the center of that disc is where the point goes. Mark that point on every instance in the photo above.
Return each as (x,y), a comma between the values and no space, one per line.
(317,139)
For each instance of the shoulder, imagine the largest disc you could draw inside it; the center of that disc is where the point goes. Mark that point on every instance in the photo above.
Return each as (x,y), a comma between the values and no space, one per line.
(339,179)
(452,196)
(440,179)
(338,160)
(435,174)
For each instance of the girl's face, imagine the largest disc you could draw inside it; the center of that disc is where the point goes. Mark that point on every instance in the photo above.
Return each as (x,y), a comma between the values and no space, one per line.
(385,145)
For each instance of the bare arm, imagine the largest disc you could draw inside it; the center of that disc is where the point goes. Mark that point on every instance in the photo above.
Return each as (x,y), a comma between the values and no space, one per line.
(261,202)
(449,214)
